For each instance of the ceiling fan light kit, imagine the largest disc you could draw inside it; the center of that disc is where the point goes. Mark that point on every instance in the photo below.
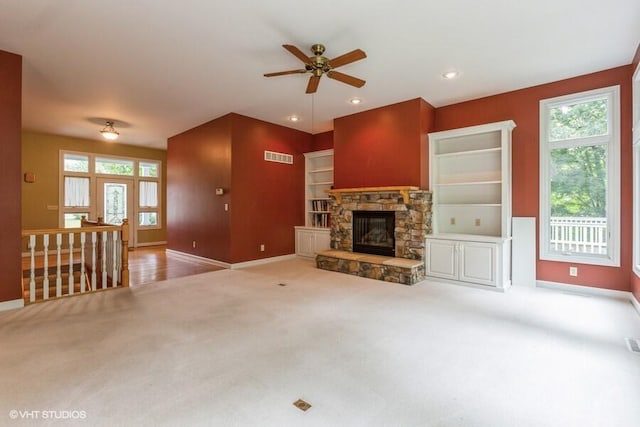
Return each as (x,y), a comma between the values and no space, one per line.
(319,65)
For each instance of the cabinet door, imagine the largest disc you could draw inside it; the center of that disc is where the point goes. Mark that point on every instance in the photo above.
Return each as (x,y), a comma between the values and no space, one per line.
(322,241)
(477,263)
(305,243)
(441,259)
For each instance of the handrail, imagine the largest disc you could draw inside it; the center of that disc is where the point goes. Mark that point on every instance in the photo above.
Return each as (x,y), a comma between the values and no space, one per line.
(40,232)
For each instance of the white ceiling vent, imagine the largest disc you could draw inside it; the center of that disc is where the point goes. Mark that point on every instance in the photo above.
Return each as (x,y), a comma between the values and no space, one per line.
(272,156)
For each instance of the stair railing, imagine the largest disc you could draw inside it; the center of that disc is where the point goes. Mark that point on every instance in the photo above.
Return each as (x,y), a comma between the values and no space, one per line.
(68,261)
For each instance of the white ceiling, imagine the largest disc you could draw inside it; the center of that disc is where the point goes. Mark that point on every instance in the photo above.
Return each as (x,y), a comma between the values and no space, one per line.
(161,67)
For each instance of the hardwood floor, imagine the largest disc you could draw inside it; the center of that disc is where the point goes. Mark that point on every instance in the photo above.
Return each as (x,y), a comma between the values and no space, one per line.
(152,264)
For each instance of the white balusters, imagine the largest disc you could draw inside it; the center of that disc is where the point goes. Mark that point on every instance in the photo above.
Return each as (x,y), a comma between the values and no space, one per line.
(45,280)
(32,275)
(83,240)
(93,261)
(58,264)
(104,262)
(104,259)
(114,276)
(71,281)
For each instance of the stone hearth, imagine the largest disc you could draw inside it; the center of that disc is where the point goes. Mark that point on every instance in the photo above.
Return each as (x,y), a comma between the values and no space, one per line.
(412,208)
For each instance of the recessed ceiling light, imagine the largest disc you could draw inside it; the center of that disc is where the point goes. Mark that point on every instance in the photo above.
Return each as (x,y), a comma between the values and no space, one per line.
(450,74)
(355,101)
(294,118)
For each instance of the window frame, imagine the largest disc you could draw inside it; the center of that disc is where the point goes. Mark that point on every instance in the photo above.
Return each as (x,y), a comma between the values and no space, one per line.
(612,142)
(93,187)
(636,168)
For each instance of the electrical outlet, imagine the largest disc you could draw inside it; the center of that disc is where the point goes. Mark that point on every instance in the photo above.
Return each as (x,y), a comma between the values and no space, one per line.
(226,206)
(477,222)
(453,221)
(194,244)
(573,271)
(262,248)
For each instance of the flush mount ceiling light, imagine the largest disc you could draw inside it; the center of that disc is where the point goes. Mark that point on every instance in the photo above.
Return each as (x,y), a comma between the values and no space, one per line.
(108,132)
(294,118)
(449,75)
(355,101)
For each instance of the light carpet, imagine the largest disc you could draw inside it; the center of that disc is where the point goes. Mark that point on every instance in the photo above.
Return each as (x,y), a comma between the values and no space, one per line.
(234,348)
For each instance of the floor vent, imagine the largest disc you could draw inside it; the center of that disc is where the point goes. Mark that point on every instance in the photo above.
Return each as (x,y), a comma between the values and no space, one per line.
(301,404)
(634,345)
(272,156)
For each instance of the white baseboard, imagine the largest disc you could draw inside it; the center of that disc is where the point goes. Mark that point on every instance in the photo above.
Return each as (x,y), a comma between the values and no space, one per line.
(142,245)
(11,305)
(635,303)
(197,258)
(263,261)
(584,290)
(235,266)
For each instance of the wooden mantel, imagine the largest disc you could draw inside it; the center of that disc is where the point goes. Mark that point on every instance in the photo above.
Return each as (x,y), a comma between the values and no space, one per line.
(402,189)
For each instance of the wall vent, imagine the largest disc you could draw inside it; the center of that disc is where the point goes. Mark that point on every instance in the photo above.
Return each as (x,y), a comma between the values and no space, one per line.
(634,345)
(272,156)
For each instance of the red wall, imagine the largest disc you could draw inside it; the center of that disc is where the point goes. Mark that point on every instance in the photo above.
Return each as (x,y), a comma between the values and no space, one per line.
(522,106)
(322,141)
(266,199)
(10,175)
(382,147)
(198,162)
(635,280)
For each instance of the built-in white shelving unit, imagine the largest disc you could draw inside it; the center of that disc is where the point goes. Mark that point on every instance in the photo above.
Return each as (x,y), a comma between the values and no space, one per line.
(314,235)
(470,177)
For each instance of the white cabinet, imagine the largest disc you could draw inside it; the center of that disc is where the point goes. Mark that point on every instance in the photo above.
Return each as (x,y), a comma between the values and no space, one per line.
(318,178)
(484,262)
(470,178)
(311,240)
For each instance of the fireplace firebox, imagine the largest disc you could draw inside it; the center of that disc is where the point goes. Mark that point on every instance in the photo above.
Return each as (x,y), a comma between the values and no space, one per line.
(374,232)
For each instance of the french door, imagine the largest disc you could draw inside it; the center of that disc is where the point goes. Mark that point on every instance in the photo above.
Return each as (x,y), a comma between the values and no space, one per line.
(115,203)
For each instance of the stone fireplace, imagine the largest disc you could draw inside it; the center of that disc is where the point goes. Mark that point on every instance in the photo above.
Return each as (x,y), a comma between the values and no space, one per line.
(411,210)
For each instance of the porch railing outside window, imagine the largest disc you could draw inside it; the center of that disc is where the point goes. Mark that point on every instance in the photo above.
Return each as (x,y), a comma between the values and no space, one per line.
(578,235)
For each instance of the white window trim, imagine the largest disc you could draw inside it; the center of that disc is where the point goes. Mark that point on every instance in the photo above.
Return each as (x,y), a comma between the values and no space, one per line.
(92,175)
(636,169)
(613,176)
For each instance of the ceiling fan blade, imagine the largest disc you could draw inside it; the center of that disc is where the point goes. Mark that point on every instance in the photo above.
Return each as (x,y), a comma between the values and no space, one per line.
(284,73)
(297,53)
(347,58)
(312,87)
(345,78)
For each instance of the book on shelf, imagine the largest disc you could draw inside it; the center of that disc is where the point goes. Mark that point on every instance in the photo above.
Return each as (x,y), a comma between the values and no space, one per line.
(320,220)
(319,205)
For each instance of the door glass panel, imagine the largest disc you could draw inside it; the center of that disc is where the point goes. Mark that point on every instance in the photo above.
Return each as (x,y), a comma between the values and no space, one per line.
(115,202)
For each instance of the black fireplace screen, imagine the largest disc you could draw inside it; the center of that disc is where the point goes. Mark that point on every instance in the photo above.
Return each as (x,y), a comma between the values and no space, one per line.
(373,232)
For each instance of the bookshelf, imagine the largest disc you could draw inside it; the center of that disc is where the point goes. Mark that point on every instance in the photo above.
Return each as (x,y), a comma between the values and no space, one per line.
(314,235)
(470,177)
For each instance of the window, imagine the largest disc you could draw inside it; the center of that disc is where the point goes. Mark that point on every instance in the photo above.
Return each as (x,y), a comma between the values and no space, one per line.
(580,178)
(148,169)
(148,197)
(76,163)
(76,192)
(84,186)
(111,166)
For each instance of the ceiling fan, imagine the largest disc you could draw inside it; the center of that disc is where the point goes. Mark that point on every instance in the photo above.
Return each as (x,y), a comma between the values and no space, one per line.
(318,65)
